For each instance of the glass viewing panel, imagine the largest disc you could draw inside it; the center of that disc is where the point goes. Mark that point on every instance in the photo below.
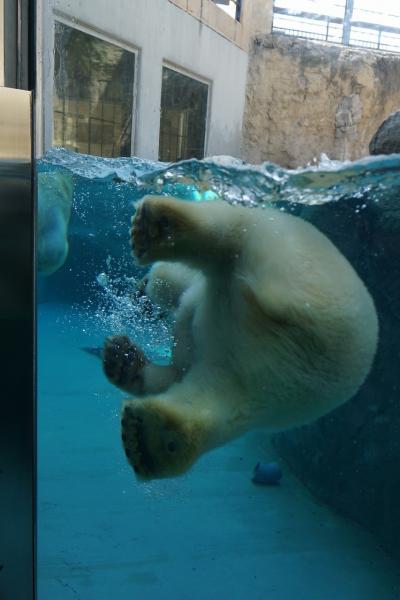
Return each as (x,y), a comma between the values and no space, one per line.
(237,524)
(93,94)
(183,117)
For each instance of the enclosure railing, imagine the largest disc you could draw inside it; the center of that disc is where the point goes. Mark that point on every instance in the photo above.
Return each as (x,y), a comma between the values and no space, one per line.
(342,22)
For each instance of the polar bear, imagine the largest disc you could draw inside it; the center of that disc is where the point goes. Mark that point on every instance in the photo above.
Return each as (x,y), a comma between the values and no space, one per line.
(273,328)
(55,192)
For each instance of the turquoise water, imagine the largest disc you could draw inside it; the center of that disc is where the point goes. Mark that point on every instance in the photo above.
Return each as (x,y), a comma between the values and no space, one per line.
(211,533)
(233,179)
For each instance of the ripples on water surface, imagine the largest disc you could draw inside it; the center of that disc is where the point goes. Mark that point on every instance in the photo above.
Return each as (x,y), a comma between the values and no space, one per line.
(234,180)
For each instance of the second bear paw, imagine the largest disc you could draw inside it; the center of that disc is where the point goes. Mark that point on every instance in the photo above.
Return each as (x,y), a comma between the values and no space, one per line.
(123,363)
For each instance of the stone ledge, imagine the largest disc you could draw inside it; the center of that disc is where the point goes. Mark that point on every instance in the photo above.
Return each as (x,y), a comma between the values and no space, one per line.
(208,13)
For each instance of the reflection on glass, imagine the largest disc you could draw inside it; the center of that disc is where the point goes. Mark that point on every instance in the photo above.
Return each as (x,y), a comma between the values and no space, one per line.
(183,116)
(93,94)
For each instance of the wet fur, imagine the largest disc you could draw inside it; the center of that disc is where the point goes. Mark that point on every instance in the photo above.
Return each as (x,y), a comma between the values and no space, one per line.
(273,328)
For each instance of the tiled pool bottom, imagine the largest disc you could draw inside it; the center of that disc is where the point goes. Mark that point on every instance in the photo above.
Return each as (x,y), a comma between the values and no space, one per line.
(209,535)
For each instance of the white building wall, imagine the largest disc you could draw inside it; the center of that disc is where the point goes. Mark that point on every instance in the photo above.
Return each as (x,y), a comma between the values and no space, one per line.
(161,32)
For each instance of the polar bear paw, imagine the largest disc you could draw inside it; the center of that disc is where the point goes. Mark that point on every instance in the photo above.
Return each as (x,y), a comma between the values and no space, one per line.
(123,363)
(156,439)
(157,226)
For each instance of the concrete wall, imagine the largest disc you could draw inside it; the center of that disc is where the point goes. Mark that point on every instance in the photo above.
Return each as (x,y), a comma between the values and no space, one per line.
(160,32)
(304,98)
(208,13)
(259,18)
(256,18)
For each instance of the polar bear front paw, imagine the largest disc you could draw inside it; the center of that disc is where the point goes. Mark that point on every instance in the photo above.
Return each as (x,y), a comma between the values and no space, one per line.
(123,363)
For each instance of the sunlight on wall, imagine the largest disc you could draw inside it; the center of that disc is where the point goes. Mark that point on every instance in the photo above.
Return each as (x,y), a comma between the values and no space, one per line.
(230,10)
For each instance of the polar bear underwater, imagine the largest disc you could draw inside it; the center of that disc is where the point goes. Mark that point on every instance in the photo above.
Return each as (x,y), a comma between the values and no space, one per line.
(272,326)
(55,191)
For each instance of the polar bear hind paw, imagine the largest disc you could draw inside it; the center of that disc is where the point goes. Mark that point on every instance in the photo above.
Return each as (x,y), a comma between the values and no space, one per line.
(157,440)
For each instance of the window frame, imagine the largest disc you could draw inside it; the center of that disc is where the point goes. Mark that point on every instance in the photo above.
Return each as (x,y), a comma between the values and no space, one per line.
(79,25)
(187,73)
(238,8)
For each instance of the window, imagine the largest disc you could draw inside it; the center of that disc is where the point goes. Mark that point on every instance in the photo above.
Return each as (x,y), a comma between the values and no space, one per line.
(351,22)
(183,116)
(231,7)
(93,94)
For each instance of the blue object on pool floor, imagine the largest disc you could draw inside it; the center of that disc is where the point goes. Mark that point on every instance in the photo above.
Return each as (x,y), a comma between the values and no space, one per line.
(267,473)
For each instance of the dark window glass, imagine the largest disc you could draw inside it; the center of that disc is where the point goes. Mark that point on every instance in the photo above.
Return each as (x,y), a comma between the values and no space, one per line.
(183,117)
(93,94)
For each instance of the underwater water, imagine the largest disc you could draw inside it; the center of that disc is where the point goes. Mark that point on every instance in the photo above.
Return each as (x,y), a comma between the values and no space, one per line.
(211,533)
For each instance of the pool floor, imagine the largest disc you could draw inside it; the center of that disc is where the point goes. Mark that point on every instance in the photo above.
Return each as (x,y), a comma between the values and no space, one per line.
(211,534)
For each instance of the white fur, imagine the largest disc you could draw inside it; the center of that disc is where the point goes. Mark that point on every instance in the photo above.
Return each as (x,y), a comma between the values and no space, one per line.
(276,333)
(54,210)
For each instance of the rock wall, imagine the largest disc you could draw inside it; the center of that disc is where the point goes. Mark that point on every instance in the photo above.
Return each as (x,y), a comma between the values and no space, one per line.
(304,98)
(350,458)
